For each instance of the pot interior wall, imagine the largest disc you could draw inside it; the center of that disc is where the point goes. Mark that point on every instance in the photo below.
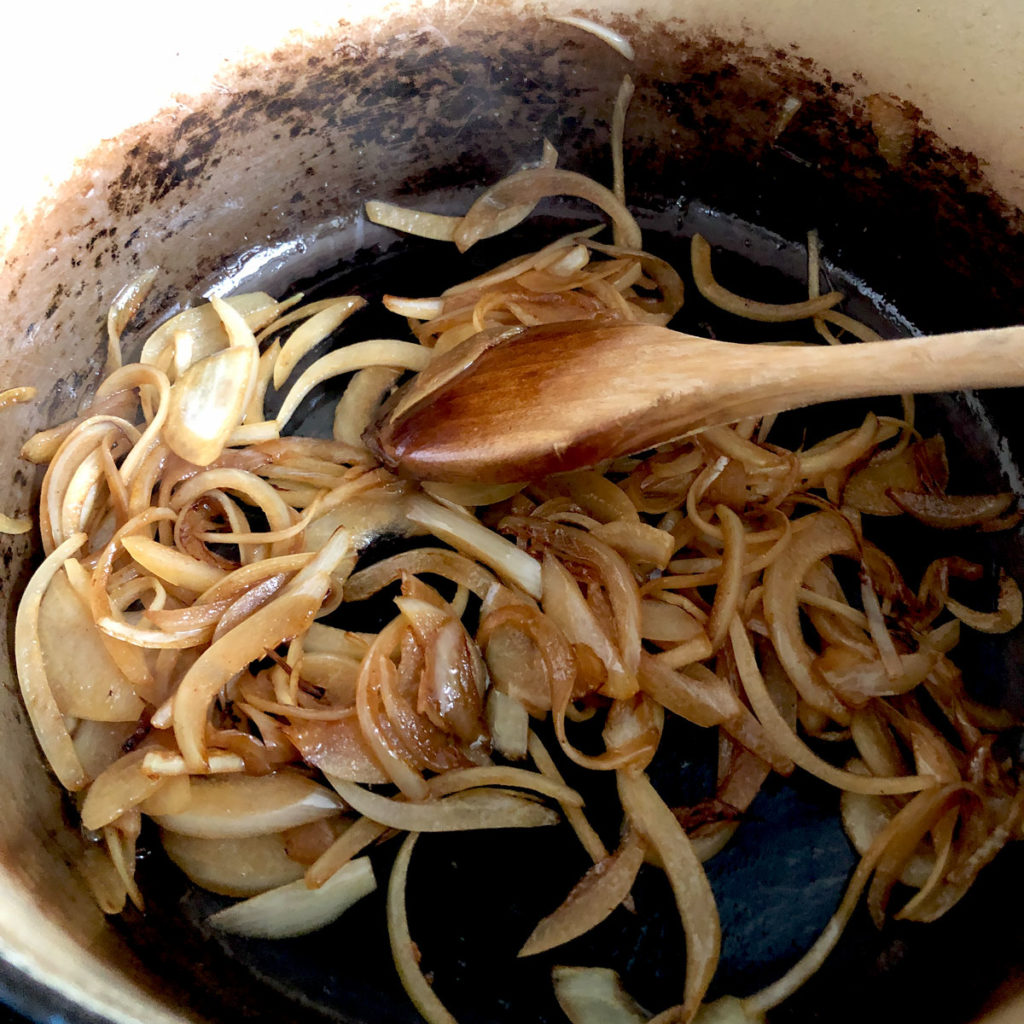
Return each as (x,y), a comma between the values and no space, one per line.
(262,185)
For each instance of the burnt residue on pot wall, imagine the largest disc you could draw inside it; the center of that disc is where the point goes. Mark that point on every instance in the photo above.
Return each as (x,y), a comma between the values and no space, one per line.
(282,154)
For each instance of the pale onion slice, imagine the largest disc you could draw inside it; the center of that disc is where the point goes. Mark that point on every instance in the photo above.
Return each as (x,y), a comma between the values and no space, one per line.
(168,764)
(100,744)
(835,453)
(399,355)
(463,811)
(616,40)
(14,526)
(666,623)
(694,899)
(508,723)
(358,406)
(47,720)
(207,402)
(455,780)
(471,495)
(120,843)
(471,537)
(404,951)
(16,396)
(303,312)
(253,433)
(864,817)
(727,1010)
(729,591)
(243,866)
(414,309)
(638,542)
(85,681)
(234,806)
(622,98)
(117,789)
(436,226)
(103,879)
(591,900)
(700,262)
(442,228)
(203,325)
(126,304)
(171,564)
(306,337)
(356,837)
(594,995)
(171,798)
(529,187)
(295,909)
(239,335)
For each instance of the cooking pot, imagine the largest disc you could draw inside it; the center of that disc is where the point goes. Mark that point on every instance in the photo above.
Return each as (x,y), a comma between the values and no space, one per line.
(235,148)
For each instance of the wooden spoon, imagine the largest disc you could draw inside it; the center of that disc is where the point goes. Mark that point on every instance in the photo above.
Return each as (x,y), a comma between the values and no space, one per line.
(523,403)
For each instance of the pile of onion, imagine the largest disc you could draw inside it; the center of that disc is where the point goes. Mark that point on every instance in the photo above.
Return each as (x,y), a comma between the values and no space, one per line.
(183,651)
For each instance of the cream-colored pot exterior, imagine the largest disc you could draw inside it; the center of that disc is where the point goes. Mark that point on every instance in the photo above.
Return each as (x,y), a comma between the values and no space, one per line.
(75,80)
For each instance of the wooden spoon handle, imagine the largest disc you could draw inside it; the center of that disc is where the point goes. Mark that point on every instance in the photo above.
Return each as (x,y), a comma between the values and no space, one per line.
(559,397)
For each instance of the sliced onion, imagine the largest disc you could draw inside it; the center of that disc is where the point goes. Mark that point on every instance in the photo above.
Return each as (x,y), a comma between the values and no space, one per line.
(45,715)
(616,40)
(295,909)
(242,866)
(508,723)
(911,822)
(700,262)
(203,326)
(117,789)
(820,535)
(84,679)
(694,899)
(420,223)
(382,352)
(530,186)
(172,565)
(306,337)
(469,536)
(1007,617)
(468,810)
(948,511)
(287,616)
(13,526)
(702,701)
(403,949)
(589,839)
(16,396)
(206,404)
(786,740)
(565,605)
(594,995)
(126,304)
(592,900)
(337,748)
(864,817)
(236,806)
